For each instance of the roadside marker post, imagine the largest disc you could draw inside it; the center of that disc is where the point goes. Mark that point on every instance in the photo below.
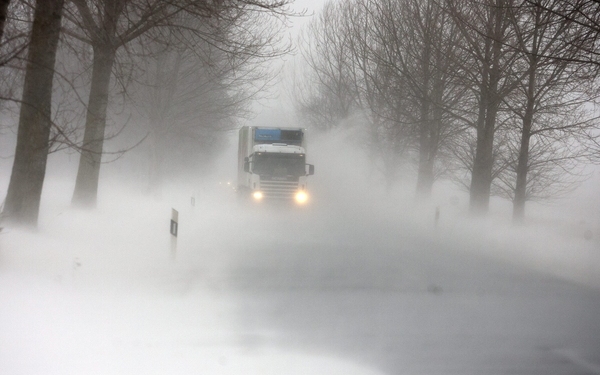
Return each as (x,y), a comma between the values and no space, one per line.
(174,230)
(174,222)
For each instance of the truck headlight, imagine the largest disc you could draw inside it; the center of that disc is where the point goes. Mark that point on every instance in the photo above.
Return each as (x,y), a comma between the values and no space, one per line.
(301,197)
(258,195)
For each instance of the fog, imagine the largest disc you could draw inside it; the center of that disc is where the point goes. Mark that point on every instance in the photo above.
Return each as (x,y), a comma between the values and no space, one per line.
(364,279)
(360,281)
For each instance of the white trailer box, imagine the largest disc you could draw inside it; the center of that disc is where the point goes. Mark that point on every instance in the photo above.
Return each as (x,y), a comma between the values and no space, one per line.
(272,164)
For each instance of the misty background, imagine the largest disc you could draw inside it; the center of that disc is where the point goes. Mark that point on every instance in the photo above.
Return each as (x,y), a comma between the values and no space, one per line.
(453,222)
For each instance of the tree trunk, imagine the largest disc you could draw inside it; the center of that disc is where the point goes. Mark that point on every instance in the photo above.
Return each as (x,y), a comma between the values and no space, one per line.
(3,13)
(481,179)
(86,185)
(35,119)
(521,185)
(523,164)
(425,170)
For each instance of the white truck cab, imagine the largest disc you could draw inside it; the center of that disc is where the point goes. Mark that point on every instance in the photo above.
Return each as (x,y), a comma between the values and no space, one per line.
(272,164)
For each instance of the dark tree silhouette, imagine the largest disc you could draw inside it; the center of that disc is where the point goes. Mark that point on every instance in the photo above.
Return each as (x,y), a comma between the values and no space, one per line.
(29,168)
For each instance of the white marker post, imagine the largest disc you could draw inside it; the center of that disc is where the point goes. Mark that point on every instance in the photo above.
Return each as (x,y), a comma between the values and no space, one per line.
(174,230)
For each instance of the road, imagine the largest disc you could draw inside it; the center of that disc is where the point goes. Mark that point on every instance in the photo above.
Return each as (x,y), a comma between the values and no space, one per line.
(342,289)
(399,299)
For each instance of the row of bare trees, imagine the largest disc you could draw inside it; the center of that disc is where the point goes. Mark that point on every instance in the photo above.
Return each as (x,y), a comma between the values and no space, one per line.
(189,67)
(496,94)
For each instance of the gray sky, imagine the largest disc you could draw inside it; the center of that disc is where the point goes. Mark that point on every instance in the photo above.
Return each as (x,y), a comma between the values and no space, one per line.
(308,4)
(311,7)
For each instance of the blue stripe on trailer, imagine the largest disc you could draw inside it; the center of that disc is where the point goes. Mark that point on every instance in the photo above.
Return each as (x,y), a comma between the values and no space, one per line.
(267,135)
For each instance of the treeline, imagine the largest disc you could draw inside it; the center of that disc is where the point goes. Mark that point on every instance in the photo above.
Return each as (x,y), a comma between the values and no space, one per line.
(497,95)
(72,68)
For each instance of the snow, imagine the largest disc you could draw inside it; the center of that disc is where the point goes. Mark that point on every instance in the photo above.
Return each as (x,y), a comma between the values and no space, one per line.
(108,292)
(103,293)
(551,240)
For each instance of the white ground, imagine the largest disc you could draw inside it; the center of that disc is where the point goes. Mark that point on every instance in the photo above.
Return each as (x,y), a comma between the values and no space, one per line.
(101,293)
(104,293)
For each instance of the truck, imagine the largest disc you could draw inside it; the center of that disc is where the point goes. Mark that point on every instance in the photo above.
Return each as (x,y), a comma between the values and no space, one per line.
(272,164)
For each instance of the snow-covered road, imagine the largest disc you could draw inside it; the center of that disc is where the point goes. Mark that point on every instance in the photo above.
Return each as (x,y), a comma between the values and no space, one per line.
(334,290)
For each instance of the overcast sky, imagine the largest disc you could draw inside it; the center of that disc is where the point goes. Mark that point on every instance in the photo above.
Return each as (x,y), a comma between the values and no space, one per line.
(311,7)
(308,4)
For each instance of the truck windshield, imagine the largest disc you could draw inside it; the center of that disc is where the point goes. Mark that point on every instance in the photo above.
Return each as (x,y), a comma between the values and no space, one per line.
(276,164)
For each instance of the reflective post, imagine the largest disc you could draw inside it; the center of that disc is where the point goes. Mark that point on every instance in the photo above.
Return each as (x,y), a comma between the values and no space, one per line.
(174,229)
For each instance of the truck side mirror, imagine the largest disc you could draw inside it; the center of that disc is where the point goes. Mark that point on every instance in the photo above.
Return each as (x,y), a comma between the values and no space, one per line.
(311,169)
(246,166)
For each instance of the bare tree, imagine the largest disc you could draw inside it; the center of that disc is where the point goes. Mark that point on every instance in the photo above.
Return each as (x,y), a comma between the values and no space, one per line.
(345,81)
(191,94)
(3,14)
(549,100)
(556,159)
(384,91)
(487,70)
(29,168)
(498,87)
(390,60)
(325,95)
(421,46)
(583,16)
(15,33)
(109,25)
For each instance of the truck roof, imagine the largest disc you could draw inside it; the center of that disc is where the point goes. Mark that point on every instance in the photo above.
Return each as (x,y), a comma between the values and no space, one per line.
(281,148)
(279,127)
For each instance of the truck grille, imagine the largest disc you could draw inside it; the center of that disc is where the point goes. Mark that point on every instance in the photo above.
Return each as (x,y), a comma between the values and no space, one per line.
(279,189)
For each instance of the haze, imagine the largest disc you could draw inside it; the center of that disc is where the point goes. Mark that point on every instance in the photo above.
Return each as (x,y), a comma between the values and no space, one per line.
(369,277)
